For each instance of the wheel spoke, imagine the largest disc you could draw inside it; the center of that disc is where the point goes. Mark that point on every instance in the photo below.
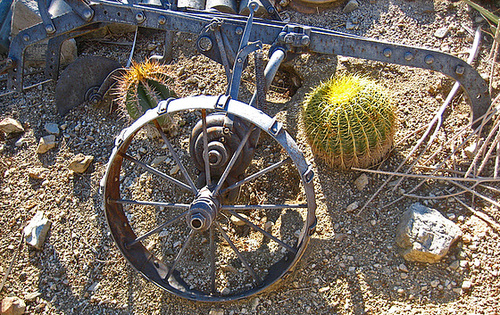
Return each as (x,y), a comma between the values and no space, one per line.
(179,255)
(258,174)
(157,229)
(251,207)
(233,160)
(205,146)
(150,203)
(241,258)
(176,158)
(267,234)
(212,260)
(157,172)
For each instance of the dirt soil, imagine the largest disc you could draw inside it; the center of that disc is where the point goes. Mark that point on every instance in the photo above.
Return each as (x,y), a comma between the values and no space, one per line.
(352,264)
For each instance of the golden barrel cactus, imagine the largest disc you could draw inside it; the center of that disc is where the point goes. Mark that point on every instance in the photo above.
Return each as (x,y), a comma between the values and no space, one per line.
(141,87)
(349,121)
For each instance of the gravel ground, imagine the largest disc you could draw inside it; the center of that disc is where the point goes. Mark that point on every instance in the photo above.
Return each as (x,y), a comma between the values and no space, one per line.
(352,265)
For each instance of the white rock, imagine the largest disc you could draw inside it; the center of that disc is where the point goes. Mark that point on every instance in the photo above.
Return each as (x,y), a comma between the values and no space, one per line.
(52,128)
(441,32)
(353,206)
(361,182)
(37,229)
(10,125)
(268,226)
(237,221)
(466,285)
(157,161)
(37,172)
(13,305)
(80,163)
(19,143)
(175,170)
(46,143)
(216,311)
(454,265)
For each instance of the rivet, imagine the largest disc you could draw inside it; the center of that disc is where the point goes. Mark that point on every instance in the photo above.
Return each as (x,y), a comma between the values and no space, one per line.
(429,59)
(239,30)
(87,14)
(305,40)
(162,20)
(205,43)
(49,29)
(460,70)
(387,52)
(408,56)
(139,17)
(26,37)
(240,60)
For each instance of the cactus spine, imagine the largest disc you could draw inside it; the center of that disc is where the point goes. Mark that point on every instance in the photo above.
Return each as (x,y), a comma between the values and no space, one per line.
(349,121)
(141,87)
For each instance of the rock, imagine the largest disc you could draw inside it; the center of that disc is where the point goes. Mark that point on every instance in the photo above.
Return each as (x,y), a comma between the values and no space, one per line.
(36,231)
(361,182)
(52,129)
(226,291)
(349,25)
(268,226)
(237,221)
(353,206)
(434,283)
(80,163)
(454,265)
(37,172)
(175,169)
(350,6)
(21,141)
(32,296)
(13,305)
(441,32)
(470,151)
(466,285)
(403,268)
(10,125)
(157,161)
(254,303)
(216,311)
(46,143)
(425,235)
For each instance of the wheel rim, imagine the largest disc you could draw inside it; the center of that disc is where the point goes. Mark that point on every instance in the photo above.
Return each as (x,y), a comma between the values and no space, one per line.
(187,240)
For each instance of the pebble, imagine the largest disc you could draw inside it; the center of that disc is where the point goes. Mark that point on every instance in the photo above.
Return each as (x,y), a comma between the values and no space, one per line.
(349,25)
(157,161)
(404,276)
(37,172)
(350,6)
(441,32)
(454,265)
(52,129)
(12,305)
(466,285)
(174,170)
(216,311)
(361,182)
(434,283)
(10,125)
(21,141)
(403,268)
(32,296)
(236,221)
(464,263)
(80,163)
(37,229)
(46,143)
(268,226)
(255,303)
(226,291)
(353,206)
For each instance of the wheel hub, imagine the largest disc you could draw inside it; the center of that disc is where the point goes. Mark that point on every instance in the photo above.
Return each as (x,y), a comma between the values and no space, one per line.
(203,210)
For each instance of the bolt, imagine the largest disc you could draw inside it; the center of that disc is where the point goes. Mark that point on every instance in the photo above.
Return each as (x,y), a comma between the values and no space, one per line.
(387,52)
(460,70)
(239,30)
(162,20)
(225,130)
(205,43)
(88,14)
(26,37)
(50,29)
(270,10)
(240,60)
(408,56)
(222,140)
(139,17)
(429,59)
(305,40)
(288,39)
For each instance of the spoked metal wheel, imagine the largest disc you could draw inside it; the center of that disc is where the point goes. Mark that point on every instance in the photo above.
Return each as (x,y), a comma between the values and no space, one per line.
(186,235)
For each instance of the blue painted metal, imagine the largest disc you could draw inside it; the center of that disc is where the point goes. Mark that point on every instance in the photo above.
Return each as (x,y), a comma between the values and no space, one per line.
(5,18)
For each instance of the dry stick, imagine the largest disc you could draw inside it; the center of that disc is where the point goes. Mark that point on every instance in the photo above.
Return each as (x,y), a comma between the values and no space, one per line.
(435,197)
(497,161)
(494,54)
(475,193)
(437,121)
(485,118)
(488,154)
(483,216)
(460,179)
(12,261)
(479,154)
(437,117)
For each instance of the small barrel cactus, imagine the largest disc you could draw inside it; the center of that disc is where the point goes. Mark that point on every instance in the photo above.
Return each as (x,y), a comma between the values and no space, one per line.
(141,87)
(349,121)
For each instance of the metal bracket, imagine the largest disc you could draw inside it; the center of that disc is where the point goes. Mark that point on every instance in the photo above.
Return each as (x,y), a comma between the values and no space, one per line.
(295,36)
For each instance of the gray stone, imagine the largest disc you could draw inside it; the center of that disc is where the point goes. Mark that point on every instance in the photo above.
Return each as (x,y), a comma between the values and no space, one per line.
(36,231)
(80,163)
(350,25)
(361,182)
(351,6)
(12,305)
(353,206)
(466,285)
(454,265)
(425,235)
(10,125)
(216,311)
(46,143)
(441,32)
(52,129)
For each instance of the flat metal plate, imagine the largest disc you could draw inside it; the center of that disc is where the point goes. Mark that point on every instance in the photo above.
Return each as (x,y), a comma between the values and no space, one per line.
(83,74)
